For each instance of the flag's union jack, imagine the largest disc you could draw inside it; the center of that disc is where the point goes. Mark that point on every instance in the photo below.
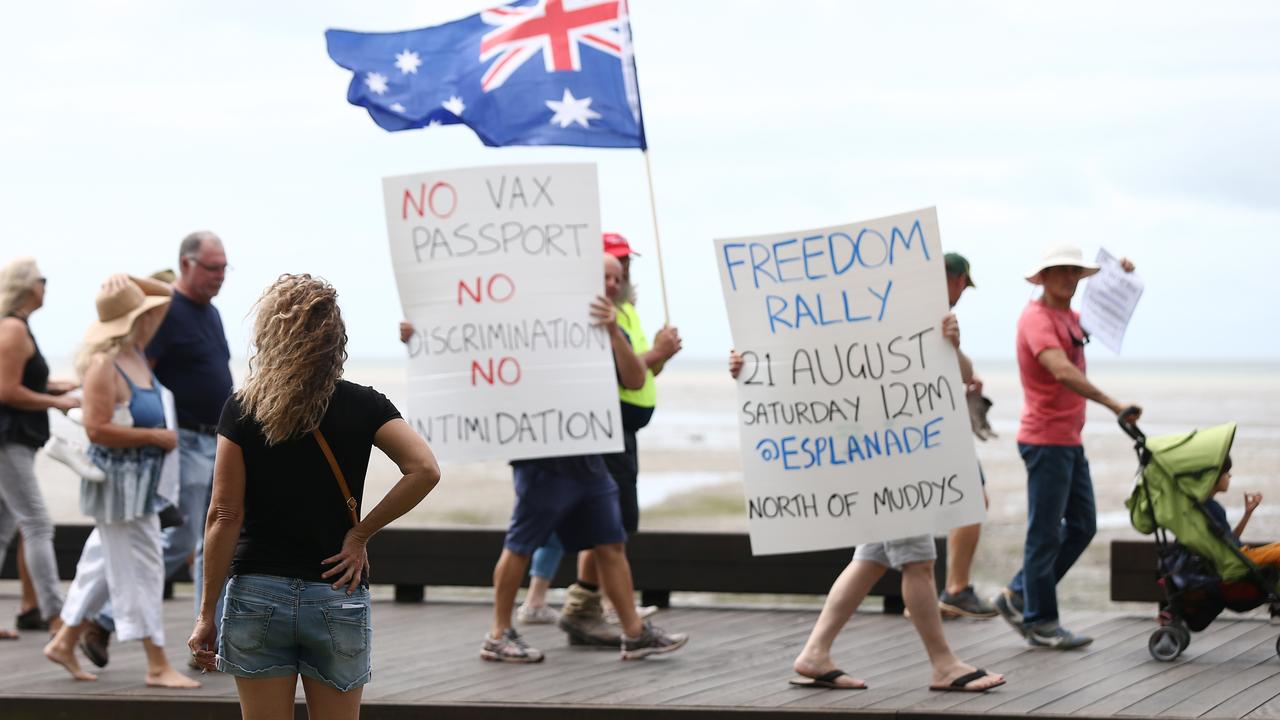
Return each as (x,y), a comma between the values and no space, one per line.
(551,28)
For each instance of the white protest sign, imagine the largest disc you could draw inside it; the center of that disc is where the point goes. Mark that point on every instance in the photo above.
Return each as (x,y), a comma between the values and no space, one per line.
(496,268)
(851,409)
(1110,297)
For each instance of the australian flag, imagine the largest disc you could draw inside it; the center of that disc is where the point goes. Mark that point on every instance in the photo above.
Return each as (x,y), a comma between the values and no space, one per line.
(534,72)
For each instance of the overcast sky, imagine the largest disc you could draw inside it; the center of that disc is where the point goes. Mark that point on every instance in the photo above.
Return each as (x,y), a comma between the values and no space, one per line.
(1146,128)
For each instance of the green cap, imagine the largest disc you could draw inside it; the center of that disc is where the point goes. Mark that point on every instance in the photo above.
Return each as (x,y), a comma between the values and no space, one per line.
(956,264)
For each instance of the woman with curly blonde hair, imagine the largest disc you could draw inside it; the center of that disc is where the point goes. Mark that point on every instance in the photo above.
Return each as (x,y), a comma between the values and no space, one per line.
(292,442)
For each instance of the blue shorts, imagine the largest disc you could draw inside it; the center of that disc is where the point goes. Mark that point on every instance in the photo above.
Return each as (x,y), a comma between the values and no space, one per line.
(280,627)
(574,497)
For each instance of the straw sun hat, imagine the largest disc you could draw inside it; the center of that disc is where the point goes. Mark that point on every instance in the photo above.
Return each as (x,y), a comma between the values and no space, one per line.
(1058,256)
(118,309)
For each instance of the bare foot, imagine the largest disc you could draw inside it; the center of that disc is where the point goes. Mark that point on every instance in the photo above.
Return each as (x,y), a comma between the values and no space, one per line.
(170,678)
(66,657)
(7,634)
(951,674)
(811,668)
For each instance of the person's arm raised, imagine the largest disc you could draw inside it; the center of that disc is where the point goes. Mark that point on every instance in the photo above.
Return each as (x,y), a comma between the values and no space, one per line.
(630,366)
(420,474)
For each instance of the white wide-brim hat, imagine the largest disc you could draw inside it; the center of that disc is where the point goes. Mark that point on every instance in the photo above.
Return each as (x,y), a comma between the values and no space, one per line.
(1058,256)
(118,310)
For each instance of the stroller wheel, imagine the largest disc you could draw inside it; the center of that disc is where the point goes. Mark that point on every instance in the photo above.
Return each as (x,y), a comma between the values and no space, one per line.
(1184,635)
(1165,644)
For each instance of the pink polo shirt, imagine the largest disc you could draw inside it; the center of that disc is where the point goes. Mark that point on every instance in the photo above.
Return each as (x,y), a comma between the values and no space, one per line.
(1051,413)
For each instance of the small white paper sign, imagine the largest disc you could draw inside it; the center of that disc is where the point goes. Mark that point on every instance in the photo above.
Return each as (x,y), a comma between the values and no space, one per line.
(496,268)
(852,415)
(1110,297)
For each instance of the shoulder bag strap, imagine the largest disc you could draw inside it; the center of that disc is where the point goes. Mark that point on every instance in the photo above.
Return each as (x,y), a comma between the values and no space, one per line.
(337,473)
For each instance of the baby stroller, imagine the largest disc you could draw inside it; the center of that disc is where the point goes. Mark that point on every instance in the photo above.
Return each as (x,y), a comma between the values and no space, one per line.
(1201,570)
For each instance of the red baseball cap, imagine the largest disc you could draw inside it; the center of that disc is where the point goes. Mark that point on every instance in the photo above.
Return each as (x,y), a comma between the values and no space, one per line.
(617,246)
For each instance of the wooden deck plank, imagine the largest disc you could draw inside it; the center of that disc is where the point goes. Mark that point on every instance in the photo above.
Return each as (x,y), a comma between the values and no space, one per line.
(1208,683)
(1143,680)
(426,663)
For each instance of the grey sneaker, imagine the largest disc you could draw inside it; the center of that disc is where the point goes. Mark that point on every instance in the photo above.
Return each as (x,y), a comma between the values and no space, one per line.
(541,615)
(583,619)
(652,641)
(965,603)
(1009,605)
(509,648)
(1052,635)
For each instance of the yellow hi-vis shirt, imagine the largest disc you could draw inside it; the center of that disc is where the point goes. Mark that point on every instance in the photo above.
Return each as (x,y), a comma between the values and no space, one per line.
(629,321)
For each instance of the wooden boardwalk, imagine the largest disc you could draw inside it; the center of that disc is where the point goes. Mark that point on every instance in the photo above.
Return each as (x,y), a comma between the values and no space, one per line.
(426,666)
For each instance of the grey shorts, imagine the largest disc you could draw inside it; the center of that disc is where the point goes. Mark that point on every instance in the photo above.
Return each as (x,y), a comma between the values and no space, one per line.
(896,553)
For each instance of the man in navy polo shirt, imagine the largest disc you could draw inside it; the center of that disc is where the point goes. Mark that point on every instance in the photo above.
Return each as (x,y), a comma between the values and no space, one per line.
(190,357)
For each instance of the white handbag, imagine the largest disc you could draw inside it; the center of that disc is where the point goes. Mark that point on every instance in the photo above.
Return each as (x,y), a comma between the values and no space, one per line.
(69,443)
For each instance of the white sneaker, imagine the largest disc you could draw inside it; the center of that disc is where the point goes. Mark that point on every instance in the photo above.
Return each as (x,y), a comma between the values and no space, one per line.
(642,611)
(541,615)
(62,451)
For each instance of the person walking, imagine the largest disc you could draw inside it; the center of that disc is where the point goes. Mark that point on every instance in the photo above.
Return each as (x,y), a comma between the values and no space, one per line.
(26,393)
(1061,514)
(130,425)
(575,499)
(190,356)
(958,598)
(284,521)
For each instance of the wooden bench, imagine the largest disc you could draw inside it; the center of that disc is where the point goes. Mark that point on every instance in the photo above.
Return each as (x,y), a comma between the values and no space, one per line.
(661,562)
(1133,571)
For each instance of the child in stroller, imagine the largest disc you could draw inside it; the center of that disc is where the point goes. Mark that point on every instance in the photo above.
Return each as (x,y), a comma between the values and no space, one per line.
(1205,569)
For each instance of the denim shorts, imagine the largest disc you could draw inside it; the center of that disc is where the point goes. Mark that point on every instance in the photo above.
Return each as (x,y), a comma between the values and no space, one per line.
(573,497)
(280,627)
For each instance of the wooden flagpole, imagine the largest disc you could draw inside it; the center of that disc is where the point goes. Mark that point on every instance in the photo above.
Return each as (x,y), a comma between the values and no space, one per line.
(657,241)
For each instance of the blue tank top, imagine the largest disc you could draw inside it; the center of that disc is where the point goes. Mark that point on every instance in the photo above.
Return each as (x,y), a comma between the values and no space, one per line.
(145,404)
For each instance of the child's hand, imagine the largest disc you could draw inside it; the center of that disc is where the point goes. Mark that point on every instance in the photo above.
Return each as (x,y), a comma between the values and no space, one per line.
(1251,501)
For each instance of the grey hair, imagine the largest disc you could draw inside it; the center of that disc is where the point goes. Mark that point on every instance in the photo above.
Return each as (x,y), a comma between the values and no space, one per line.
(190,245)
(17,278)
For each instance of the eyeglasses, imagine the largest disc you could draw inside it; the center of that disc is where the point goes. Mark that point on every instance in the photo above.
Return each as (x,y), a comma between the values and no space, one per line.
(42,280)
(223,268)
(1078,341)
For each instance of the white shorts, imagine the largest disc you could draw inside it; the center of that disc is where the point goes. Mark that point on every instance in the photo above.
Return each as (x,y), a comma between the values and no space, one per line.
(896,553)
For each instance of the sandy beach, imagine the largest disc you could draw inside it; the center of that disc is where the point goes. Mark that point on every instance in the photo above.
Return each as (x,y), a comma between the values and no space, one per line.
(691,471)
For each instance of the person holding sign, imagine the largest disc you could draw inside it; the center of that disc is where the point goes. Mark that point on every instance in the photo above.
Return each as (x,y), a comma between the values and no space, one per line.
(637,408)
(958,598)
(576,499)
(1061,515)
(913,557)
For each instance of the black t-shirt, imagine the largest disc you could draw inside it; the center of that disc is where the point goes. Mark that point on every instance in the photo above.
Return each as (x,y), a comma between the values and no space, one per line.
(192,360)
(294,512)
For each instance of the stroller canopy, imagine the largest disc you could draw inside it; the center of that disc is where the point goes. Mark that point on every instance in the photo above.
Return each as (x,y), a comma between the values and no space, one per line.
(1181,473)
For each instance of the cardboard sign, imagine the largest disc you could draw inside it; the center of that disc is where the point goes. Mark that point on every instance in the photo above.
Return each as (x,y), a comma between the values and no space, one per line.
(496,268)
(1110,297)
(852,413)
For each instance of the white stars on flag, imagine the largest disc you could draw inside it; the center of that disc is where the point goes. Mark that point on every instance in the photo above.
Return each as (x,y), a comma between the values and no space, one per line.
(408,62)
(570,110)
(397,107)
(377,82)
(454,105)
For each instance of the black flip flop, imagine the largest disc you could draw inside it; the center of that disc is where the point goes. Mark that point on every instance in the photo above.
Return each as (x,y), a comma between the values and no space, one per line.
(961,683)
(9,635)
(826,681)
